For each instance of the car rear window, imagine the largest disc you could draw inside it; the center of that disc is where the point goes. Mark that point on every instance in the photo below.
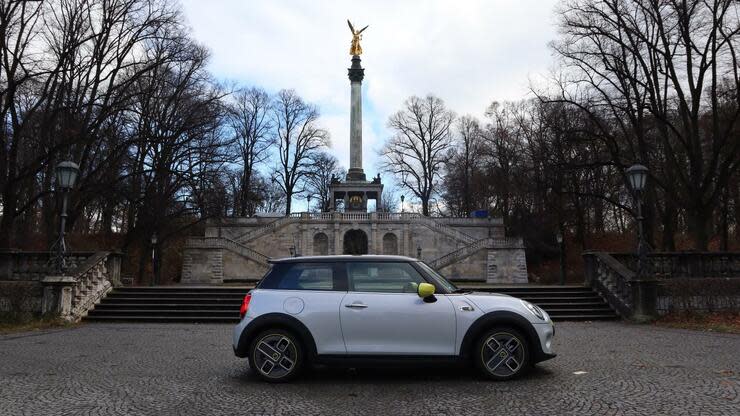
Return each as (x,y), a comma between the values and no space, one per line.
(300,276)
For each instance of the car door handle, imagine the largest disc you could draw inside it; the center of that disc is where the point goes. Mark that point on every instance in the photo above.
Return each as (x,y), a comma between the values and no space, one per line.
(355,305)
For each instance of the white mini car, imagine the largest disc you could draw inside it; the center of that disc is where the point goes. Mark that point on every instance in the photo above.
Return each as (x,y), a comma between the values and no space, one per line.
(356,310)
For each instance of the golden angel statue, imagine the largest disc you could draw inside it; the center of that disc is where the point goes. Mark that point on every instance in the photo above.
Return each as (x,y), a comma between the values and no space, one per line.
(355,49)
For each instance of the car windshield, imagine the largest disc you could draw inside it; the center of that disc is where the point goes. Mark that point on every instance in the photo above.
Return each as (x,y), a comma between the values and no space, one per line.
(439,278)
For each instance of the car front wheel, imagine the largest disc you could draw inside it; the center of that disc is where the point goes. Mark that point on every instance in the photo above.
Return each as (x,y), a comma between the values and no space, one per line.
(276,355)
(502,354)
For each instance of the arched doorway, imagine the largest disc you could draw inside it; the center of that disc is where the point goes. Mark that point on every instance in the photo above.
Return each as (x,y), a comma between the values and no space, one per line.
(390,244)
(355,242)
(320,244)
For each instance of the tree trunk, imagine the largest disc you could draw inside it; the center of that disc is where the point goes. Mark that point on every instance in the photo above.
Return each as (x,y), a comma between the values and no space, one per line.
(698,221)
(670,218)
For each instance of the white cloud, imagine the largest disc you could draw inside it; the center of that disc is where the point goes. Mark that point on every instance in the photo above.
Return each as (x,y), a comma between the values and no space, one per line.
(466,52)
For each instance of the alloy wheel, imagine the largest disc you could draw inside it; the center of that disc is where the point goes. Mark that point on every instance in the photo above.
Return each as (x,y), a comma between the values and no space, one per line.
(503,354)
(275,356)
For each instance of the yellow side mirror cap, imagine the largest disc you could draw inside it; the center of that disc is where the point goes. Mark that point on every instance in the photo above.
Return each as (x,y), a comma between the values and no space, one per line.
(425,290)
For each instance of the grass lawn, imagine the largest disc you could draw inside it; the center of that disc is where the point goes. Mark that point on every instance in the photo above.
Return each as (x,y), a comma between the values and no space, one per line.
(10,327)
(728,322)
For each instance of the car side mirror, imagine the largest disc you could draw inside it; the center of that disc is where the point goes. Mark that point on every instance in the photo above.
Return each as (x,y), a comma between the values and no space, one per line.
(425,290)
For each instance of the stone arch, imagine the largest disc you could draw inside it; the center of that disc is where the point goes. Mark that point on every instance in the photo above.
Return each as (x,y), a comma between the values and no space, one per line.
(320,244)
(390,244)
(355,242)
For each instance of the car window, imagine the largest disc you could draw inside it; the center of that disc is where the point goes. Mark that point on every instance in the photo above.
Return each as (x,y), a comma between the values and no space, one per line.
(300,276)
(383,277)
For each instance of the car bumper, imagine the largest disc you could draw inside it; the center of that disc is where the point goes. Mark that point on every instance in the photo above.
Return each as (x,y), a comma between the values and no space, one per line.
(545,333)
(238,330)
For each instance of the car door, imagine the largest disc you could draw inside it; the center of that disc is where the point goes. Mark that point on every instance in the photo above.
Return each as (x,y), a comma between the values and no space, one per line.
(312,293)
(382,314)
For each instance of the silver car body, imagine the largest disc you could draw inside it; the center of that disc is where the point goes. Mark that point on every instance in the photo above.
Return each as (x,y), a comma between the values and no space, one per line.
(387,324)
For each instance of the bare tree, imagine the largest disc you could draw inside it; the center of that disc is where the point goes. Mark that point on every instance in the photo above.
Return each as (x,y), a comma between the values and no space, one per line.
(418,150)
(463,166)
(326,168)
(252,125)
(298,137)
(649,74)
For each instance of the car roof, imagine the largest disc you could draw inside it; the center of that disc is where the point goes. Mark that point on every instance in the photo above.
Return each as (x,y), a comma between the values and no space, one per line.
(343,258)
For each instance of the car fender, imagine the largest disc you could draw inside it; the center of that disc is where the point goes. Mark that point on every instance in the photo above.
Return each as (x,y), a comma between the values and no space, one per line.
(275,320)
(502,318)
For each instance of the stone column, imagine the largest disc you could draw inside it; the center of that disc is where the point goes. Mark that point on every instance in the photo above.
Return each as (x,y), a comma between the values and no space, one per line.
(644,299)
(57,298)
(356,74)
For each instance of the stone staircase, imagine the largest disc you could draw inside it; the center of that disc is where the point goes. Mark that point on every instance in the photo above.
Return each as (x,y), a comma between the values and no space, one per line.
(268,228)
(231,245)
(221,304)
(459,254)
(444,229)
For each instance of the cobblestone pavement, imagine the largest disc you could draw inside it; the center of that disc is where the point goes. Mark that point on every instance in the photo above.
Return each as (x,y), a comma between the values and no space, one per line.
(157,369)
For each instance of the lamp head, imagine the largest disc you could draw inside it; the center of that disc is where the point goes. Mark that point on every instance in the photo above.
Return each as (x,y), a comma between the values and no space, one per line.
(66,175)
(637,175)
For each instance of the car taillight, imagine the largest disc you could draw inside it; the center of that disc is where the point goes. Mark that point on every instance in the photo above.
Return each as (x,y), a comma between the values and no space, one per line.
(245,305)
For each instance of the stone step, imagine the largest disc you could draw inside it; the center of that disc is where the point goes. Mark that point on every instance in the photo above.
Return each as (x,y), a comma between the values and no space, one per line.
(172,306)
(163,319)
(221,304)
(189,300)
(165,312)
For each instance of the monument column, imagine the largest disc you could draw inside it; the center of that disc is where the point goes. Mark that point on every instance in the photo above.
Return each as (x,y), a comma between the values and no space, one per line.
(356,74)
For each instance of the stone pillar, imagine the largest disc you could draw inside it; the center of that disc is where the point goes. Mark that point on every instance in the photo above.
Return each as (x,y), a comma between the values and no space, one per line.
(644,298)
(7,262)
(337,236)
(356,74)
(57,298)
(373,243)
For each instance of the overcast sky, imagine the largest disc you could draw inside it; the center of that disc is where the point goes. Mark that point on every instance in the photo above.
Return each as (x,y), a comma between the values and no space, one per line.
(468,53)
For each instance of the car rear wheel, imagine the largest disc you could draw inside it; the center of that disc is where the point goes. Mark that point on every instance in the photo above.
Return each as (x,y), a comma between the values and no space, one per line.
(276,356)
(502,354)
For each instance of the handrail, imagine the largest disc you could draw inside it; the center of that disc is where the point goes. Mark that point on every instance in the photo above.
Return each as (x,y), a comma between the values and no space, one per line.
(611,279)
(92,283)
(227,243)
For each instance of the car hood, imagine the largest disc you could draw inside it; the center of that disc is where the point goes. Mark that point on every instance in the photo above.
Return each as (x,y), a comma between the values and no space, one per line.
(488,302)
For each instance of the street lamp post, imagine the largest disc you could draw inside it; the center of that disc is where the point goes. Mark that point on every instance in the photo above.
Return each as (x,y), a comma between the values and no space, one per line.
(561,248)
(402,199)
(644,287)
(65,177)
(308,203)
(154,259)
(637,175)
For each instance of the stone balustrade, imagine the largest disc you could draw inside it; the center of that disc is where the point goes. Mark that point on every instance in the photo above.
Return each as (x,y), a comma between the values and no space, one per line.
(88,278)
(658,290)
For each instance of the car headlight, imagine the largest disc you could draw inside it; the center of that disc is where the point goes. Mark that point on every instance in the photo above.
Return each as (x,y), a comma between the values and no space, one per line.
(536,311)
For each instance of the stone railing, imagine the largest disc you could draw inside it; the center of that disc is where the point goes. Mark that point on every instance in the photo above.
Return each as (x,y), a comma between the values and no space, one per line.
(445,229)
(668,280)
(71,295)
(225,243)
(92,283)
(612,280)
(695,265)
(35,265)
(461,253)
(267,228)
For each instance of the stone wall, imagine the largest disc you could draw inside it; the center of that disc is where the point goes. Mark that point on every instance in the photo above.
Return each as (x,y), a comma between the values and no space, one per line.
(238,249)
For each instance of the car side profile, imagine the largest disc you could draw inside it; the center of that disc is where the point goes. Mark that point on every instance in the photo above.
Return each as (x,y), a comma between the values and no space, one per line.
(349,310)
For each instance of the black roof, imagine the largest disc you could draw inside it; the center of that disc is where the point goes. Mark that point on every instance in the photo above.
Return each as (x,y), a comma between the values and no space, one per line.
(343,258)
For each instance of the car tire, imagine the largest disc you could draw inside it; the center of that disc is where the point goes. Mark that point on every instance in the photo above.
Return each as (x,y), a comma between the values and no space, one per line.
(276,355)
(501,353)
